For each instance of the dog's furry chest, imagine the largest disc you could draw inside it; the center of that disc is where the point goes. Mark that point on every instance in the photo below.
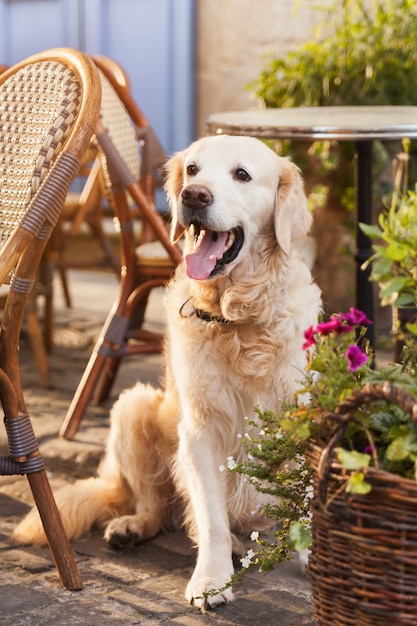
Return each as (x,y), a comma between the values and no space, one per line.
(222,365)
(220,368)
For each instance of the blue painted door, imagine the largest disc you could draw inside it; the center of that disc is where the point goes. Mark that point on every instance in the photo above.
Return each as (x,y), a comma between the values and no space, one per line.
(152,39)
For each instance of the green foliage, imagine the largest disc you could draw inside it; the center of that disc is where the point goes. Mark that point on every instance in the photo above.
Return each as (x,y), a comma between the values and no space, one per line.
(394,262)
(379,434)
(353,460)
(280,439)
(363,53)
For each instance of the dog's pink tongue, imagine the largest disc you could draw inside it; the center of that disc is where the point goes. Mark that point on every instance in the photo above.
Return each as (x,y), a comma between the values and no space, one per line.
(201,261)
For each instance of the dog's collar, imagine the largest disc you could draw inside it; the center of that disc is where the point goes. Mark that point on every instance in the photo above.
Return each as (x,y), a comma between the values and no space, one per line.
(203,315)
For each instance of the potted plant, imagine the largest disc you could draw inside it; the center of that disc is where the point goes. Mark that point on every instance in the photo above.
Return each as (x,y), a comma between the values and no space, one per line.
(354,444)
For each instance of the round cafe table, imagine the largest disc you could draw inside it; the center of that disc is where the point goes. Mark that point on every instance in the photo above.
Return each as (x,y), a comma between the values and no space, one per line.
(360,124)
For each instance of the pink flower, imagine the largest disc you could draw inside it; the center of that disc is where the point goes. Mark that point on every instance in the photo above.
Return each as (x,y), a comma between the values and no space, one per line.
(334,325)
(309,337)
(355,317)
(355,357)
(369,450)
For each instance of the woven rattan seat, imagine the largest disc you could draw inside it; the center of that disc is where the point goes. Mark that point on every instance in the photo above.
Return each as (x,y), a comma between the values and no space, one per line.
(49,104)
(128,176)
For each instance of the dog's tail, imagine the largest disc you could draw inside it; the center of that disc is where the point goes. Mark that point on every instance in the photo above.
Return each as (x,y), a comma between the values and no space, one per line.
(81,505)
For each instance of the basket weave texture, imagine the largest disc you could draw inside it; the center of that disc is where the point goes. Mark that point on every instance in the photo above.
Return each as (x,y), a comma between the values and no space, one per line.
(48,92)
(363,562)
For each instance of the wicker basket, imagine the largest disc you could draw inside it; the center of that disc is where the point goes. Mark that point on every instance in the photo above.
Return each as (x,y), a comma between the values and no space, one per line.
(363,563)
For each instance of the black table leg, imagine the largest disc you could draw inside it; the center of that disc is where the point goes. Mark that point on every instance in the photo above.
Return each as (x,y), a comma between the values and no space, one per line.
(363,186)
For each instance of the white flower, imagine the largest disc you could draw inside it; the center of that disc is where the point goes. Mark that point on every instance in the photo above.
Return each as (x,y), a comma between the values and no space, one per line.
(257,509)
(247,560)
(231,463)
(254,535)
(309,494)
(222,468)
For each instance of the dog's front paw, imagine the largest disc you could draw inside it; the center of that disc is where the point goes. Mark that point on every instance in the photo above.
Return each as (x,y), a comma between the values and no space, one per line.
(125,531)
(207,591)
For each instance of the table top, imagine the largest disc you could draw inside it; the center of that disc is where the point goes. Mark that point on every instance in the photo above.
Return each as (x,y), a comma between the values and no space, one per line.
(344,123)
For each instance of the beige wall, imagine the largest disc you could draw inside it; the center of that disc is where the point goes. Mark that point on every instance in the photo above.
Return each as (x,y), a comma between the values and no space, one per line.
(234,37)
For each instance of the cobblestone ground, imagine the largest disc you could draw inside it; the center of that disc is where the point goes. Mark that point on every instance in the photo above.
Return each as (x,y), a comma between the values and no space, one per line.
(144,585)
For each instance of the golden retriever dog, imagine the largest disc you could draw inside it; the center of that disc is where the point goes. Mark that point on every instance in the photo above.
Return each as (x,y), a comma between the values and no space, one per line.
(236,312)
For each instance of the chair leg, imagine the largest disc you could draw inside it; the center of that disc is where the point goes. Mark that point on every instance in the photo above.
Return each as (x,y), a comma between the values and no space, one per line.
(149,343)
(25,458)
(109,259)
(38,345)
(107,378)
(65,288)
(45,289)
(54,530)
(48,318)
(112,364)
(82,396)
(104,362)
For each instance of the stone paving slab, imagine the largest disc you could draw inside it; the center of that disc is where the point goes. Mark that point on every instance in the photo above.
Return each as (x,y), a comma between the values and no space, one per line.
(143,585)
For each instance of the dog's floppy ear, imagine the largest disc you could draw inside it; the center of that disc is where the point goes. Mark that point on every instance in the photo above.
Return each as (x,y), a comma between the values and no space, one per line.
(173,170)
(292,217)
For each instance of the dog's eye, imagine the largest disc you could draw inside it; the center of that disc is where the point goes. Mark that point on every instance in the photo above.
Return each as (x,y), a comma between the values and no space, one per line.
(241,174)
(192,169)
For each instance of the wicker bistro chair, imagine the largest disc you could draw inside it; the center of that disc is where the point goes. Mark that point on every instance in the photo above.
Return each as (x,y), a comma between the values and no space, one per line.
(142,270)
(49,105)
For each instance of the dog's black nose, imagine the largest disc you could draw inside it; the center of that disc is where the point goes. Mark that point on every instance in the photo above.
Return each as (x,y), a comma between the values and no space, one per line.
(196,197)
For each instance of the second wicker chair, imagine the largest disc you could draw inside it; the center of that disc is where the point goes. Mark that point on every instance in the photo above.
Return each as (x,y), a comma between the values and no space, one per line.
(130,180)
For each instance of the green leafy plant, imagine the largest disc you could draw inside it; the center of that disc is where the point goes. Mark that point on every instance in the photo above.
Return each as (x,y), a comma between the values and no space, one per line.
(394,262)
(276,465)
(362,53)
(339,361)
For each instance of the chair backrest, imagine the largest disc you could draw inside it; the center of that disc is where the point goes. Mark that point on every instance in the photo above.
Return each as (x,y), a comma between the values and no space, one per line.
(49,106)
(118,72)
(153,154)
(122,126)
